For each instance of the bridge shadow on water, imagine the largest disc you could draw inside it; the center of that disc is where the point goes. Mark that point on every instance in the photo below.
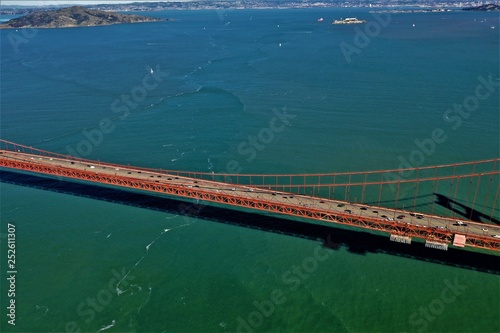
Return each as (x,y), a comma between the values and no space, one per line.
(463,210)
(358,242)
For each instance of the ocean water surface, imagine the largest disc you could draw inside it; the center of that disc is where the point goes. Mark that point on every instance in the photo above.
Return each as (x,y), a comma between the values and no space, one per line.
(190,94)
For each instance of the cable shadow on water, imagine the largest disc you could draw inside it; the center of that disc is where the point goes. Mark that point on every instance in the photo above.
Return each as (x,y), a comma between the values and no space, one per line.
(465,211)
(357,242)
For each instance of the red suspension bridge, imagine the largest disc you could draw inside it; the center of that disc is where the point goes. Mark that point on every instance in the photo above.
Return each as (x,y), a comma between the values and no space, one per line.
(444,205)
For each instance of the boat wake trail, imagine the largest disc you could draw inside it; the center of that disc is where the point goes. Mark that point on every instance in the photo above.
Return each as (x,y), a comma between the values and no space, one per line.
(41,308)
(120,291)
(147,246)
(10,211)
(107,327)
(147,300)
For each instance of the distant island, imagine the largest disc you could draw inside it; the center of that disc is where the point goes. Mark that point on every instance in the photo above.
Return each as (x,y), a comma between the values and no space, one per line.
(76,16)
(349,20)
(406,11)
(484,8)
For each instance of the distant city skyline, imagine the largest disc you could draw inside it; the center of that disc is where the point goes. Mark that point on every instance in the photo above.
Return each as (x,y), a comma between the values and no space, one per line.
(34,3)
(75,2)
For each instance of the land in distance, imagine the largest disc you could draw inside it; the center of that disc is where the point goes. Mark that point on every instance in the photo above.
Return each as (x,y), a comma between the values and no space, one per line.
(254,4)
(76,16)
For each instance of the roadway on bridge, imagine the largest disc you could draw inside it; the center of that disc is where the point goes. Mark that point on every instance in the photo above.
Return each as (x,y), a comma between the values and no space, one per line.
(333,206)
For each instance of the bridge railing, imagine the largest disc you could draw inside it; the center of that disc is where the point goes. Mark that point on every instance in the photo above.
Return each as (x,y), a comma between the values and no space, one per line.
(15,147)
(463,190)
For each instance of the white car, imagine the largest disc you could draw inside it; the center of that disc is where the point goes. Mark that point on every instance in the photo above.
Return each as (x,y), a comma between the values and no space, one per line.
(496,236)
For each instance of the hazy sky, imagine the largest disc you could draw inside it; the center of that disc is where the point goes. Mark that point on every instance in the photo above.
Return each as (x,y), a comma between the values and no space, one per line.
(72,2)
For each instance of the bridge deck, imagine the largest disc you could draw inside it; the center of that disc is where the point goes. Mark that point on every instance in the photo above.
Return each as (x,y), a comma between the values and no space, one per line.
(428,227)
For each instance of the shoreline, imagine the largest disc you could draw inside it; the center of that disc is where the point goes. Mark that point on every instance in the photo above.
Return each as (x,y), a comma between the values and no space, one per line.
(3,27)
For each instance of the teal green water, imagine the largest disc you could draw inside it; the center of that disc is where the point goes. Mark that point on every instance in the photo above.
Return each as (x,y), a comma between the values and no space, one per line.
(90,265)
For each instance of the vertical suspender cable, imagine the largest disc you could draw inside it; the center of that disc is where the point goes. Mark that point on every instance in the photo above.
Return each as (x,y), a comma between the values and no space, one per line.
(455,196)
(397,196)
(416,191)
(470,184)
(494,203)
(380,188)
(475,196)
(489,185)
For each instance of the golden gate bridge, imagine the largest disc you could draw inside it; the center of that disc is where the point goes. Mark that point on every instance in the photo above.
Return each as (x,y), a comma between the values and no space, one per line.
(443,205)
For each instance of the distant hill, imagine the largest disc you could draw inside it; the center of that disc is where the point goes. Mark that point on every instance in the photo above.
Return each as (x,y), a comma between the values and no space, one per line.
(75,16)
(484,8)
